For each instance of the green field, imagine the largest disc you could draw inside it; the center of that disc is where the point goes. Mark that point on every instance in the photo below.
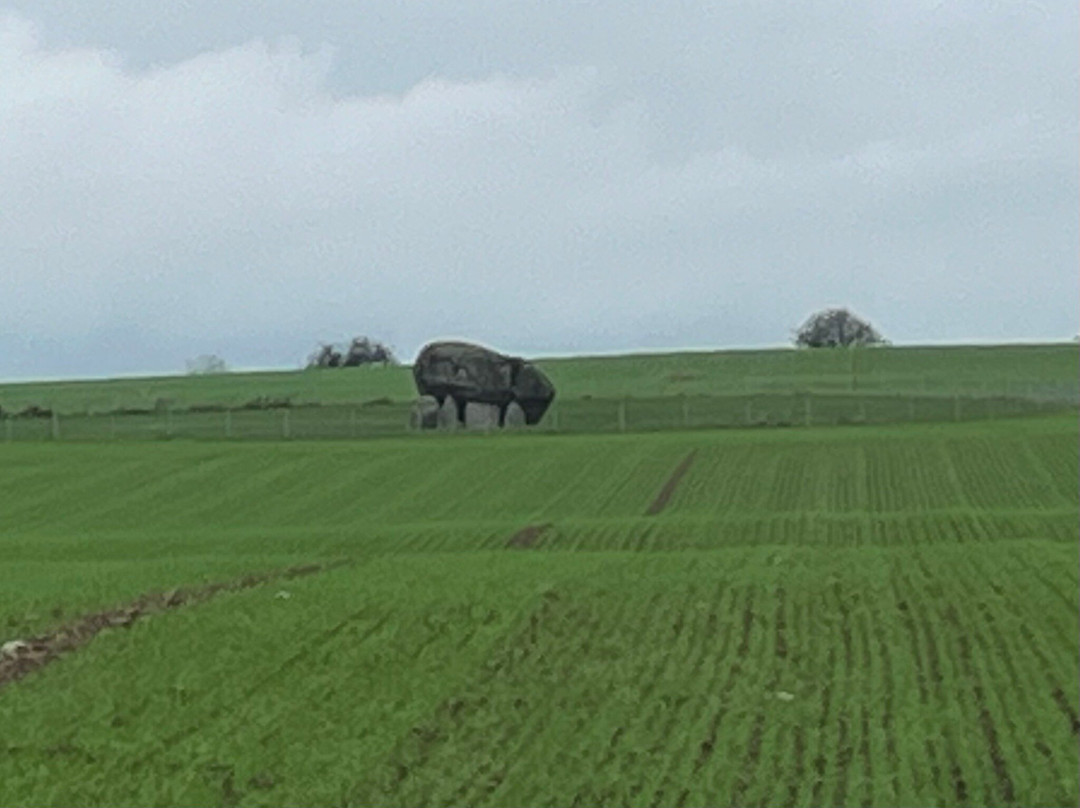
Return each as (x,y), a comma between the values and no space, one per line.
(875,616)
(1045,371)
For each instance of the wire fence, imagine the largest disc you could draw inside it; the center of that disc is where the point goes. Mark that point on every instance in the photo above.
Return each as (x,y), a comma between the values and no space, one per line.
(584,415)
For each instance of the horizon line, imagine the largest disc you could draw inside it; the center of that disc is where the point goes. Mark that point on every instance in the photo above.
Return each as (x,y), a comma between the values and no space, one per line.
(149,375)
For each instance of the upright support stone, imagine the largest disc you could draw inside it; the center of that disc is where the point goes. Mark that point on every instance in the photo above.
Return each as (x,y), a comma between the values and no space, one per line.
(515,416)
(483,417)
(447,417)
(425,413)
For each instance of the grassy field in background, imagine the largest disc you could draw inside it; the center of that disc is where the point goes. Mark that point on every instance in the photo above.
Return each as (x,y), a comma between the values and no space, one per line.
(579,416)
(881,616)
(1032,370)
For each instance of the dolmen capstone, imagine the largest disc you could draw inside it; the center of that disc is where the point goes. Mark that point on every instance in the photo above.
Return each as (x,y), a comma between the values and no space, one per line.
(467,385)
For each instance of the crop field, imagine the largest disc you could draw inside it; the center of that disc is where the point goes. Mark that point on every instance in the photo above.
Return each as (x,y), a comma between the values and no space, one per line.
(875,616)
(1010,371)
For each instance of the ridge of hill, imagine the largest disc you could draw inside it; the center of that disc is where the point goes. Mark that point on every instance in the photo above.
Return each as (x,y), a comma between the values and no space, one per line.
(1024,369)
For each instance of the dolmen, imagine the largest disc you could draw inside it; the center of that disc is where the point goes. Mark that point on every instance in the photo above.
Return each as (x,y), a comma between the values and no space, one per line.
(469,386)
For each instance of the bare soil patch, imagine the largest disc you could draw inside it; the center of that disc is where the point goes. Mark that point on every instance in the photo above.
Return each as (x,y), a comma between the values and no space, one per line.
(528,536)
(1063,704)
(672,483)
(22,657)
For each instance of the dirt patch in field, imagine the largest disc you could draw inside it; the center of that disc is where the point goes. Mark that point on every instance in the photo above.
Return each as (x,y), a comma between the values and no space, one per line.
(21,657)
(672,483)
(1063,704)
(528,536)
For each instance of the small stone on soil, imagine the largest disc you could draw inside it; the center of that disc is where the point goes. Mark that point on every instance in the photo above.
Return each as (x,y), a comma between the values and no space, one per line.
(13,648)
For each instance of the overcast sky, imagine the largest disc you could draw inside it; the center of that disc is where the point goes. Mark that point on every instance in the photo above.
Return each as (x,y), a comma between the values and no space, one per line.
(249,178)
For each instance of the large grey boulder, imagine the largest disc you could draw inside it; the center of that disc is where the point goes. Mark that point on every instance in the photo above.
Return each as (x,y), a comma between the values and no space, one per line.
(425,413)
(481,416)
(465,373)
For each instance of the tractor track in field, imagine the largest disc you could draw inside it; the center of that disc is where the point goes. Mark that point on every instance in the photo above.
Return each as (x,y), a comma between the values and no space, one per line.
(863,634)
(923,671)
(713,635)
(23,657)
(986,720)
(845,753)
(956,773)
(820,760)
(668,491)
(887,718)
(1058,694)
(993,644)
(217,713)
(752,758)
(415,748)
(706,747)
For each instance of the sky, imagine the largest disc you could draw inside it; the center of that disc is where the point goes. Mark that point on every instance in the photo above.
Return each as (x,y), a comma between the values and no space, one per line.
(249,179)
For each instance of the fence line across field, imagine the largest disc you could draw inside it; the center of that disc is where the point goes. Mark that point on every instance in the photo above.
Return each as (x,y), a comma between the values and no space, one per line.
(584,415)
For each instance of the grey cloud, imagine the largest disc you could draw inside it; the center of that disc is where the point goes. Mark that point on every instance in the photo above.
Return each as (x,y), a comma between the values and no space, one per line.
(215,180)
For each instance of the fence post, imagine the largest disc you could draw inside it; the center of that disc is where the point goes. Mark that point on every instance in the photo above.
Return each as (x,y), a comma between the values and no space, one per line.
(285,433)
(622,415)
(55,425)
(228,423)
(352,422)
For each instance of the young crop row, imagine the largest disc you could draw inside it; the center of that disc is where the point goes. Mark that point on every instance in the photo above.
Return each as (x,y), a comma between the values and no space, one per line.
(876,676)
(794,530)
(906,679)
(171,488)
(921,474)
